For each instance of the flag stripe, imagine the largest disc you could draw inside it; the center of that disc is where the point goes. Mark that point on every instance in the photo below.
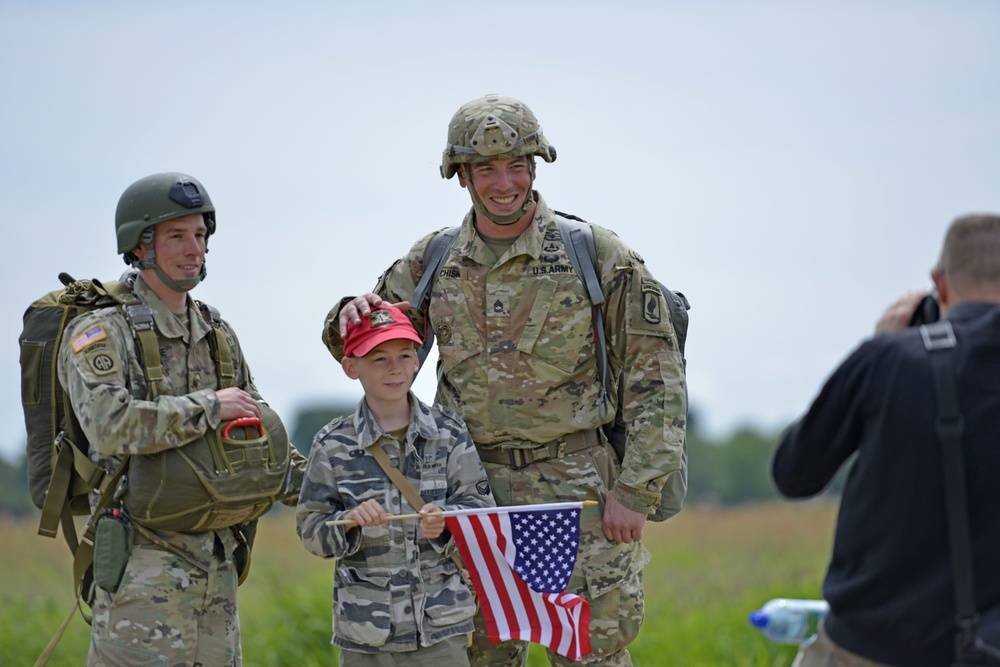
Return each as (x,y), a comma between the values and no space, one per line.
(511,608)
(529,618)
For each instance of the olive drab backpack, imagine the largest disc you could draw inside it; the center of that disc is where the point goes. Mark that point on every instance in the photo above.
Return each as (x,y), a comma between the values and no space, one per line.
(578,239)
(60,473)
(227,478)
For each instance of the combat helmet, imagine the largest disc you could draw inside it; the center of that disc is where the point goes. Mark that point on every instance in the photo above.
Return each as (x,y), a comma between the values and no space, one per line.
(155,199)
(493,127)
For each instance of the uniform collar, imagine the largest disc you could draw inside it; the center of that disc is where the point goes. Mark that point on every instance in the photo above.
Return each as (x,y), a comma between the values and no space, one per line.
(167,324)
(970,310)
(530,242)
(369,431)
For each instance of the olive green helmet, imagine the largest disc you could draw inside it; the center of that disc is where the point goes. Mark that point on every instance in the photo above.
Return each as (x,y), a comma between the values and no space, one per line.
(155,199)
(491,128)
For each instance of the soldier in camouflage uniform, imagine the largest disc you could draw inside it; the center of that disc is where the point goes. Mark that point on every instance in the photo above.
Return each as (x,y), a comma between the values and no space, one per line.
(398,596)
(176,602)
(517,362)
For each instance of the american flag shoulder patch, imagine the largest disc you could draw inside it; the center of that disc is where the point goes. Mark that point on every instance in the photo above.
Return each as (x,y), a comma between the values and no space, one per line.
(91,335)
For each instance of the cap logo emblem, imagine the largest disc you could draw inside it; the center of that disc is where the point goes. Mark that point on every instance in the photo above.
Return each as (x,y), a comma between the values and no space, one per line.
(381,318)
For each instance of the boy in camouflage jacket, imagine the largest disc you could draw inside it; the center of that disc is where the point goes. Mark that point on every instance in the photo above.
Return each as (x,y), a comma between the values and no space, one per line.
(397,591)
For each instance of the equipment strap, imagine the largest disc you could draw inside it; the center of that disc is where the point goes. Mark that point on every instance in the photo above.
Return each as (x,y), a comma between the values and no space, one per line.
(140,318)
(404,486)
(518,458)
(939,340)
(434,256)
(83,559)
(578,239)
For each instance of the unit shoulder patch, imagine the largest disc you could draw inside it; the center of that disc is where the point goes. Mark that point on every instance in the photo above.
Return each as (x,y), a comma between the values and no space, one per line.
(100,361)
(651,297)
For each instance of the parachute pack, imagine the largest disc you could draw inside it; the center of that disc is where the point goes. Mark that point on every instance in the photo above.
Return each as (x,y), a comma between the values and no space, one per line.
(226,478)
(578,239)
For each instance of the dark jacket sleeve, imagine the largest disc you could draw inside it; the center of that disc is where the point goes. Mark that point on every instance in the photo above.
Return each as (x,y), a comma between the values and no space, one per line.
(813,449)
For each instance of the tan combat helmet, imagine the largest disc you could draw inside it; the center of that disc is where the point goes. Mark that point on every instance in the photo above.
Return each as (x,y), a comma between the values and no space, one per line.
(493,127)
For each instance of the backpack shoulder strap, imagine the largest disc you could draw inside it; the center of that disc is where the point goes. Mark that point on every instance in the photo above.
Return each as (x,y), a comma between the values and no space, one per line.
(140,319)
(434,256)
(578,239)
(218,346)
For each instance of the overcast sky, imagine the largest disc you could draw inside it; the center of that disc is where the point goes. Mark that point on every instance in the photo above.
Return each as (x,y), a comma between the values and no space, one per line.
(790,166)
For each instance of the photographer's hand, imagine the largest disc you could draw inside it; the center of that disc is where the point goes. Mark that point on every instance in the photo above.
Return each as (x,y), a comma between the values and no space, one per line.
(897,316)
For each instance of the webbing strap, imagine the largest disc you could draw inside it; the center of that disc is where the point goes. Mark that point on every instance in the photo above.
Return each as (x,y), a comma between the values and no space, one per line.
(140,318)
(404,486)
(397,477)
(83,559)
(434,255)
(57,493)
(939,340)
(578,239)
(223,357)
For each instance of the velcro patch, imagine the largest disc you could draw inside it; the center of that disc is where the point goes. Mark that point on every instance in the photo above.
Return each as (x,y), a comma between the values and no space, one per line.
(651,299)
(101,363)
(92,335)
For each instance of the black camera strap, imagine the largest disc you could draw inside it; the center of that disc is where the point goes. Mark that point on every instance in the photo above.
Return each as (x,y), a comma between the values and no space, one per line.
(939,340)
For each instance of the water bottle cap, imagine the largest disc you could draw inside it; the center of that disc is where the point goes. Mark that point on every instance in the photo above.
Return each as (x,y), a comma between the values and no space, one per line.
(758,619)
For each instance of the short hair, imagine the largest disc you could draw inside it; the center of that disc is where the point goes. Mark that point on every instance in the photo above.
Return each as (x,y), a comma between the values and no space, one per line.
(971,252)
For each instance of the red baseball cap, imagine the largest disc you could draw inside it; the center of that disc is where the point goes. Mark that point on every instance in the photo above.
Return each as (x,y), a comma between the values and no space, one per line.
(385,323)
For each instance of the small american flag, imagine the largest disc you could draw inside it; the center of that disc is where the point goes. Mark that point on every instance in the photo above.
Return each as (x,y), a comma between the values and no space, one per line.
(520,562)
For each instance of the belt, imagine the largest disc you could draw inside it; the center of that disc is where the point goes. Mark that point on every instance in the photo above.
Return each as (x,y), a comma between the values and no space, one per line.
(521,457)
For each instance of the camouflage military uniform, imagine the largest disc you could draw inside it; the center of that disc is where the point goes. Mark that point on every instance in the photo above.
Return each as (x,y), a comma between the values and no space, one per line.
(395,591)
(517,361)
(176,603)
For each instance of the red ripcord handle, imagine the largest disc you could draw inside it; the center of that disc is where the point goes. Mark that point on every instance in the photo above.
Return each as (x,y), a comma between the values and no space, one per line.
(244,421)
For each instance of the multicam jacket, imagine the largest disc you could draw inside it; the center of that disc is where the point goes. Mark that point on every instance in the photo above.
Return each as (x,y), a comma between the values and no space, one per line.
(394,590)
(100,368)
(517,347)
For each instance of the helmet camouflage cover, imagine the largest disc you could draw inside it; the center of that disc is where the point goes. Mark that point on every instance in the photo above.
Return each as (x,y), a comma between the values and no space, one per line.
(491,128)
(158,198)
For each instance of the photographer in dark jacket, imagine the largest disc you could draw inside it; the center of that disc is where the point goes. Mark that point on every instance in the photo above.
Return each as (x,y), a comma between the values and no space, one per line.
(890,581)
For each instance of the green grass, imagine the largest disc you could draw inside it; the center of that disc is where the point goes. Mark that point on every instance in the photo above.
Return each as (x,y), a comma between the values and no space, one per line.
(710,569)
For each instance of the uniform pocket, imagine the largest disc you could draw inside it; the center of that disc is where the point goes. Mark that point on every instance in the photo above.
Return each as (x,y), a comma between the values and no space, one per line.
(607,570)
(449,602)
(362,606)
(560,325)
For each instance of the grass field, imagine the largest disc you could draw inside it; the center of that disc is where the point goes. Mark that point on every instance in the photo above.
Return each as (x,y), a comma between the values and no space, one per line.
(710,569)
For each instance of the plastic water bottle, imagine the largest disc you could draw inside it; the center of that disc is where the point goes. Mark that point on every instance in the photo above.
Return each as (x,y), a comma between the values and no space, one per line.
(790,621)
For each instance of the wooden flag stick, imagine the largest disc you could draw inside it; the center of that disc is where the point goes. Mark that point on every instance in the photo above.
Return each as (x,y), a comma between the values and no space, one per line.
(480,510)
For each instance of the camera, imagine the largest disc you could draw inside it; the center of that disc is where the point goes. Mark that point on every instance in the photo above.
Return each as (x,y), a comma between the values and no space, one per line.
(927,311)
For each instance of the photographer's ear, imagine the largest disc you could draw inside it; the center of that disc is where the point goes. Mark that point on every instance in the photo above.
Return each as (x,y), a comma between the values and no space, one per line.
(943,292)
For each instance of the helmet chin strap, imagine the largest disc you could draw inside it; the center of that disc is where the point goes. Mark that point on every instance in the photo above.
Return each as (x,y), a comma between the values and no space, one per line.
(182,286)
(477,202)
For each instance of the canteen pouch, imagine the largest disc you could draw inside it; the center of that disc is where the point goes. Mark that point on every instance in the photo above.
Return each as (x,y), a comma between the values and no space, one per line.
(112,548)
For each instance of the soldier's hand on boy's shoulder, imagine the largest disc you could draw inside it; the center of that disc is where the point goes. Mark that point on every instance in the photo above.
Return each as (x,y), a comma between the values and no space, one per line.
(369,513)
(431,526)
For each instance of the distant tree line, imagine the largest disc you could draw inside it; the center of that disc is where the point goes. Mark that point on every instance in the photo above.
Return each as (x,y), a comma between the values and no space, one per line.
(722,473)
